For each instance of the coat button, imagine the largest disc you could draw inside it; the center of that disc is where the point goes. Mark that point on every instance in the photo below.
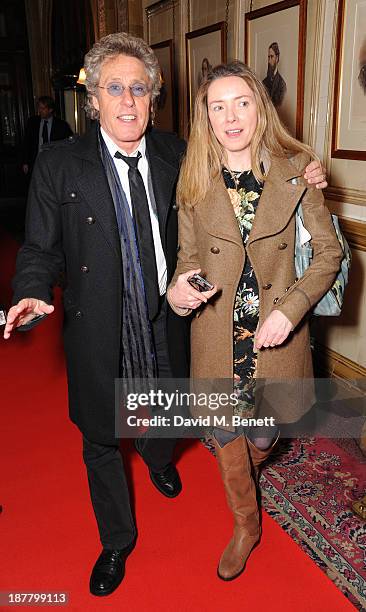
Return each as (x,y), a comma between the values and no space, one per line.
(268,286)
(78,314)
(215,250)
(276,300)
(84,269)
(73,195)
(90,220)
(175,207)
(282,246)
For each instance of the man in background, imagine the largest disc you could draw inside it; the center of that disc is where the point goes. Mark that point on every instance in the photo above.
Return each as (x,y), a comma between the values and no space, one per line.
(274,82)
(42,129)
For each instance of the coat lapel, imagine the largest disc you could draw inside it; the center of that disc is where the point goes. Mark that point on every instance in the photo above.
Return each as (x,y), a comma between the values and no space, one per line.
(277,203)
(164,174)
(217,214)
(278,200)
(93,185)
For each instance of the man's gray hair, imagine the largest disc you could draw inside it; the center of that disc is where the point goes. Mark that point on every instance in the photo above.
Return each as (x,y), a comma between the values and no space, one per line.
(110,47)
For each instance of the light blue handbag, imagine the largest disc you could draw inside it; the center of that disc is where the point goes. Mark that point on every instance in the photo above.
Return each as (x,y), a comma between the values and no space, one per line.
(331,303)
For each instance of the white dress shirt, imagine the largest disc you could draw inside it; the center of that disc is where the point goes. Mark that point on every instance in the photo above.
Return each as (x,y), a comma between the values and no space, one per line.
(49,127)
(143,166)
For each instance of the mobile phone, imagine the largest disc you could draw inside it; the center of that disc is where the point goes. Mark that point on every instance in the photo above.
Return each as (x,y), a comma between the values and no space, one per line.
(2,316)
(199,283)
(32,323)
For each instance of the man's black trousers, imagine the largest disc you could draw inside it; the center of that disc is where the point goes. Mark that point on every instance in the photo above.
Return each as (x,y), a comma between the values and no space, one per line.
(107,480)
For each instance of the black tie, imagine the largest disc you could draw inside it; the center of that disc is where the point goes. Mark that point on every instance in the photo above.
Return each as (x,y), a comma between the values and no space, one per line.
(45,132)
(141,214)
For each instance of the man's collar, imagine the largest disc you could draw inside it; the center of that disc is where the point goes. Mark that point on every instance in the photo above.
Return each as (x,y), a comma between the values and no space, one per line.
(113,148)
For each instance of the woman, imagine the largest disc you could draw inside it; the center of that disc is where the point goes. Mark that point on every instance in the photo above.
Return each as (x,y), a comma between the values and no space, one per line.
(239,187)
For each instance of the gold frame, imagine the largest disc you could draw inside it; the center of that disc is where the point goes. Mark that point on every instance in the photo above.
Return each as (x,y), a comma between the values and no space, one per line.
(338,151)
(219,27)
(275,8)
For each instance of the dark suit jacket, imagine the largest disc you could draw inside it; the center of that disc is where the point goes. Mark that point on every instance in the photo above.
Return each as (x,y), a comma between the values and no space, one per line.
(71,223)
(59,131)
(276,88)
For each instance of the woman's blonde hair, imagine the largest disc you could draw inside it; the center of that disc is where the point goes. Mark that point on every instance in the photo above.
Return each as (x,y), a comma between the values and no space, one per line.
(205,156)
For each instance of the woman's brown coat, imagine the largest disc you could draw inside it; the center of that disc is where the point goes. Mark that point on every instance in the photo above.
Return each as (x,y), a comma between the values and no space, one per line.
(210,239)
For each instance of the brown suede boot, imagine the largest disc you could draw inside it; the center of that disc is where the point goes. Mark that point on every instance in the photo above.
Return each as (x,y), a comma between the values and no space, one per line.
(235,468)
(258,456)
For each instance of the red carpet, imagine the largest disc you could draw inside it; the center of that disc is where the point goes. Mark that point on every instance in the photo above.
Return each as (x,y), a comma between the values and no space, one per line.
(49,538)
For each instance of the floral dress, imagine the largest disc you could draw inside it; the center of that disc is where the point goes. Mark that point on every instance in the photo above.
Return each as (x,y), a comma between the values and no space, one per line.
(244,192)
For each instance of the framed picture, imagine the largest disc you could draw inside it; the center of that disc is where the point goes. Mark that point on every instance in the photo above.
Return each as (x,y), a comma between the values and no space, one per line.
(349,112)
(205,47)
(165,117)
(275,40)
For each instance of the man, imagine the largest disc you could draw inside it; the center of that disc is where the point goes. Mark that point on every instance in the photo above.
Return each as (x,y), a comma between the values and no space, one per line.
(84,219)
(42,129)
(362,78)
(274,82)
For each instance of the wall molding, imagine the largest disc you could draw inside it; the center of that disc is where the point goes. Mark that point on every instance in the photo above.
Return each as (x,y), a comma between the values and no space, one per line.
(334,364)
(351,196)
(159,7)
(316,73)
(355,232)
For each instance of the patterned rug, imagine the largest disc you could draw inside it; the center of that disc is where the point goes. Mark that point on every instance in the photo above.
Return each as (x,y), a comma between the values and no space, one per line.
(307,487)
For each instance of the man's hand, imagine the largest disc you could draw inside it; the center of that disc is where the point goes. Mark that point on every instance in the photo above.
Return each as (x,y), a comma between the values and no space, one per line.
(316,174)
(184,296)
(274,330)
(23,312)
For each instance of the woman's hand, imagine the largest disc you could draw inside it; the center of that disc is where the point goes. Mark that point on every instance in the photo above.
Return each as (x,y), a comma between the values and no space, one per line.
(316,174)
(274,330)
(184,296)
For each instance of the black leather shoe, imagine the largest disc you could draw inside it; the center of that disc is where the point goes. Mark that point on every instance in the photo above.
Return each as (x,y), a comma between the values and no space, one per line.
(108,571)
(167,481)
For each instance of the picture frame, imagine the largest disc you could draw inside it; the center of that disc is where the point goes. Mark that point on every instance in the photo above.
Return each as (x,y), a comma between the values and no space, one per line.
(349,111)
(166,108)
(204,47)
(157,16)
(280,67)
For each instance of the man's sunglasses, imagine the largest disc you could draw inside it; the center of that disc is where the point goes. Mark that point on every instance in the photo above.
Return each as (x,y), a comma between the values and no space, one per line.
(138,90)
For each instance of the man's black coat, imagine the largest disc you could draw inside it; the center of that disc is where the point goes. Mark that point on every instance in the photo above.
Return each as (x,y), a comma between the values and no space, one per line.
(59,131)
(71,226)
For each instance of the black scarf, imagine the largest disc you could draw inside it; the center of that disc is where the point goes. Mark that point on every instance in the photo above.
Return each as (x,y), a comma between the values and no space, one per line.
(138,355)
